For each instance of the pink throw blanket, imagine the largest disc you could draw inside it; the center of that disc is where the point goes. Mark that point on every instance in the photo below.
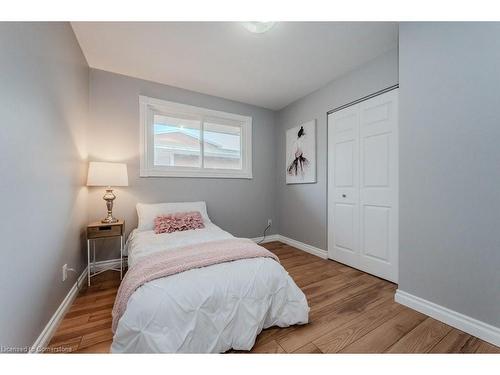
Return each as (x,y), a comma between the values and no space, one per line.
(185,258)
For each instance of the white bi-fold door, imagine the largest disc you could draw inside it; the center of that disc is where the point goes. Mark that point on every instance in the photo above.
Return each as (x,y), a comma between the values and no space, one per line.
(363,185)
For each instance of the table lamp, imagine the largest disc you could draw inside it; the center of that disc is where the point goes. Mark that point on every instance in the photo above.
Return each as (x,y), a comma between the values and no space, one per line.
(107,174)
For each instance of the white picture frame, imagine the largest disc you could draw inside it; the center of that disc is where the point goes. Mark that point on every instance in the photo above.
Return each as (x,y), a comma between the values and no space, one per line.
(301,154)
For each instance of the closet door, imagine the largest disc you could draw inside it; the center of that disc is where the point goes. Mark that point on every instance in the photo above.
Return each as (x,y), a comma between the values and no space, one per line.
(378,198)
(343,186)
(363,217)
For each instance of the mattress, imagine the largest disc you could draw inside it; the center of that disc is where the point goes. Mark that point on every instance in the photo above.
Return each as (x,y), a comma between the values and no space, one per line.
(206,310)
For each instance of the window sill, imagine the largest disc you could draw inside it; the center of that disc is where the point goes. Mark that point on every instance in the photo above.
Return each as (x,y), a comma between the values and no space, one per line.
(196,174)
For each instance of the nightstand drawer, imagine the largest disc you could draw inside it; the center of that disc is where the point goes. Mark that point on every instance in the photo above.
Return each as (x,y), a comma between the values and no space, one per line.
(104,231)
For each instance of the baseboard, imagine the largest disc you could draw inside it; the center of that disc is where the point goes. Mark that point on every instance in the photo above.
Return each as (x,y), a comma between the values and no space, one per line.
(303,246)
(266,239)
(455,319)
(43,340)
(297,244)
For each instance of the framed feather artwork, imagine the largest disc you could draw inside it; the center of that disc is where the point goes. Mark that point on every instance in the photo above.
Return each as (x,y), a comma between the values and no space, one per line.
(301,154)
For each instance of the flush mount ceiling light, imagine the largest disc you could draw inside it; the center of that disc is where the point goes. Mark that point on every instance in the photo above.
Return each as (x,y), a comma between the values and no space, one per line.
(258,27)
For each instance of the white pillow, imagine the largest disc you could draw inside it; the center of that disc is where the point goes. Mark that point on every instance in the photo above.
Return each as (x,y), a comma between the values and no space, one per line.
(148,212)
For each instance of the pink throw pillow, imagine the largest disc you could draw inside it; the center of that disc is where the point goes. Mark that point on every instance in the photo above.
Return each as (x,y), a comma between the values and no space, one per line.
(178,221)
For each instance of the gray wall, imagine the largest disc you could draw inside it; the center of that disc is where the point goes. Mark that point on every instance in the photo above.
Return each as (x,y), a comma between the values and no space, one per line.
(44,96)
(449,166)
(239,206)
(301,210)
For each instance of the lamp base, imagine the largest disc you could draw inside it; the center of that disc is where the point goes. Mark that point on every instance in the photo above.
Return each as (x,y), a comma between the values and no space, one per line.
(109,220)
(109,197)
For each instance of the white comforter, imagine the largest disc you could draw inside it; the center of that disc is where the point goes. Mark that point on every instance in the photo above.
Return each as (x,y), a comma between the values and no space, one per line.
(205,310)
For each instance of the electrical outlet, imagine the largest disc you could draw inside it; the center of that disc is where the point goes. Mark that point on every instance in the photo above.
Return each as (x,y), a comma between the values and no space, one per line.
(269,222)
(64,272)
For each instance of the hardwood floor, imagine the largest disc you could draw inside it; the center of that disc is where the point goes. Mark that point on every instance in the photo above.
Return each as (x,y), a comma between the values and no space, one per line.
(351,312)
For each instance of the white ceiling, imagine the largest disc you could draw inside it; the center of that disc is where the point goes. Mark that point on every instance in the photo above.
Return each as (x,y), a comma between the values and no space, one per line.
(223,59)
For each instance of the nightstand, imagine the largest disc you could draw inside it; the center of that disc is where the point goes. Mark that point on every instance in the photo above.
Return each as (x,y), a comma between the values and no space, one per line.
(96,231)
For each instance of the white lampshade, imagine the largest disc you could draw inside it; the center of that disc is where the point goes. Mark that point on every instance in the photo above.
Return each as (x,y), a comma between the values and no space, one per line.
(107,174)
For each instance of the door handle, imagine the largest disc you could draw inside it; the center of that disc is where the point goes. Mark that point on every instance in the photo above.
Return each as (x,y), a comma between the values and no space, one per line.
(344,196)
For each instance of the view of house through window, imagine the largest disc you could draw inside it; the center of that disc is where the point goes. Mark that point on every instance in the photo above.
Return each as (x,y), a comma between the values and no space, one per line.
(221,146)
(177,143)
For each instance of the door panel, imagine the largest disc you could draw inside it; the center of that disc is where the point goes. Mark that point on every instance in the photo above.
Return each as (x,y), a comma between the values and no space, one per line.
(363,185)
(376,161)
(344,160)
(344,231)
(346,122)
(377,112)
(376,232)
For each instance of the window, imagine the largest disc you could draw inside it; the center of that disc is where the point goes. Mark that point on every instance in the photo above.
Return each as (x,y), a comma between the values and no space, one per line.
(179,140)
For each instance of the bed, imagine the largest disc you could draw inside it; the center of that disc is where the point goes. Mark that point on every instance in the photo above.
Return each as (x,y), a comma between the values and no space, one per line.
(204,310)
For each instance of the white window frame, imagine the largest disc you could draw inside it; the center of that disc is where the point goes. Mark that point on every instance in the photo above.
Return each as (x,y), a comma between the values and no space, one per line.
(151,106)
